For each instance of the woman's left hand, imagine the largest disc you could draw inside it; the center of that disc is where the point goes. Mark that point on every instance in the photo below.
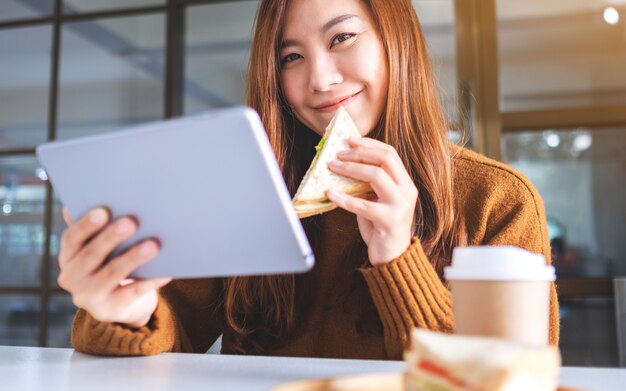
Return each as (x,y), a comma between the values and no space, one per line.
(386,220)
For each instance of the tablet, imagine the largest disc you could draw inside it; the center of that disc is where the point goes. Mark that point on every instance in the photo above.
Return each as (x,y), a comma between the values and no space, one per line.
(208,187)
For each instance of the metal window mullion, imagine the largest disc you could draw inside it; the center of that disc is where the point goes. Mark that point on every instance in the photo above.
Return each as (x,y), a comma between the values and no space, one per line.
(26,22)
(490,62)
(565,118)
(112,13)
(477,69)
(28,291)
(174,59)
(17,151)
(53,99)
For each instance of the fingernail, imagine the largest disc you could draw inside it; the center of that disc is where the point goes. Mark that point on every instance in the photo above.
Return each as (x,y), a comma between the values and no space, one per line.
(147,249)
(343,153)
(335,164)
(332,193)
(98,216)
(122,226)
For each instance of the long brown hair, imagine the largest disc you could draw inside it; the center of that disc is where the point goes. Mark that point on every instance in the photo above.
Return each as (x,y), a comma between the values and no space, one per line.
(413,123)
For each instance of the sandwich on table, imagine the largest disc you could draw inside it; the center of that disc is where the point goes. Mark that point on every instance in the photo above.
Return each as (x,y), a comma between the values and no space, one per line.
(444,362)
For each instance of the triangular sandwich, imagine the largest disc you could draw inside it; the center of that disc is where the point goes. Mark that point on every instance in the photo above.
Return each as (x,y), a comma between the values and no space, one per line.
(310,199)
(438,361)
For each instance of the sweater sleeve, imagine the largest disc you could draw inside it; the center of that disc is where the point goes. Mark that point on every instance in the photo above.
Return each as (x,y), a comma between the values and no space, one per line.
(188,318)
(408,292)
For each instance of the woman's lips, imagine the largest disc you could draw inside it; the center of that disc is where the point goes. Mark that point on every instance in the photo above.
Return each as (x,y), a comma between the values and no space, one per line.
(334,106)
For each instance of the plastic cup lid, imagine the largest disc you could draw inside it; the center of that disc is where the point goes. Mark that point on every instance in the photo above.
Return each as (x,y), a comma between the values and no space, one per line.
(506,263)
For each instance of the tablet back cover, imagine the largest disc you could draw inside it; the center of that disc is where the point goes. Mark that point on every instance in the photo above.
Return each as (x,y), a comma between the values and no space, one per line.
(207,187)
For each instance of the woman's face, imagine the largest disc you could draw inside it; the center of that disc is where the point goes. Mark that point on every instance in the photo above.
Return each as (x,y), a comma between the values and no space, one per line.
(331,56)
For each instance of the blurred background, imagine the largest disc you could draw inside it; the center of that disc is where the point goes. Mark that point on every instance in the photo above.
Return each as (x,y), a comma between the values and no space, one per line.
(539,85)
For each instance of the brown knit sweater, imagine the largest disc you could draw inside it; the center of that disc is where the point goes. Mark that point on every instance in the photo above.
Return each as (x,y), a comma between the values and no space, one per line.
(500,207)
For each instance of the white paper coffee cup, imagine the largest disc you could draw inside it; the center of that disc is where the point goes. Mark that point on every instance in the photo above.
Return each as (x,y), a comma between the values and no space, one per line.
(501,291)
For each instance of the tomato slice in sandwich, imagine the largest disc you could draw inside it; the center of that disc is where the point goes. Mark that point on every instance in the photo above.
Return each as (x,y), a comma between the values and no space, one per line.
(438,371)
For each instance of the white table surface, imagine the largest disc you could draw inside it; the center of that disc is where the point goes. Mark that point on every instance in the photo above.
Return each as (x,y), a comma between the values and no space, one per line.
(25,368)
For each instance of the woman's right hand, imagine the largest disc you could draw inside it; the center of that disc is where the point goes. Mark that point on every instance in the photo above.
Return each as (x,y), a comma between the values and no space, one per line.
(104,289)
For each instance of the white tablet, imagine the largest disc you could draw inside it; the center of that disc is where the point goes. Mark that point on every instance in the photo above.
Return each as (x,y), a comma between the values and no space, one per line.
(207,187)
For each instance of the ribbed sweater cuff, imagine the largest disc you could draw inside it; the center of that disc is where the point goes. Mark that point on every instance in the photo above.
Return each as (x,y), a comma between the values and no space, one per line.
(111,339)
(408,293)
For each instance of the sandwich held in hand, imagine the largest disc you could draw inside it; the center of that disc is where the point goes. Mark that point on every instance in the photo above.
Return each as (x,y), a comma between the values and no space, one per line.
(444,362)
(310,199)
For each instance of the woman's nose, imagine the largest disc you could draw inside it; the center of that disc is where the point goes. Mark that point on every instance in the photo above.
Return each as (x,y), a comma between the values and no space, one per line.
(323,73)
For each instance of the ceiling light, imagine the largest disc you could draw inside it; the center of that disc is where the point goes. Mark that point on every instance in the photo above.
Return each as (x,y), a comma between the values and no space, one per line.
(41,174)
(611,15)
(553,140)
(582,142)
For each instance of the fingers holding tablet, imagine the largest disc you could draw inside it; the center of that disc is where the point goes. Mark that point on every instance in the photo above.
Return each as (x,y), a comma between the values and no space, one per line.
(119,268)
(92,255)
(79,232)
(98,286)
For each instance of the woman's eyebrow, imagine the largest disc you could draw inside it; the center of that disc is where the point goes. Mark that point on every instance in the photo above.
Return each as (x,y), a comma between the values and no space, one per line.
(327,26)
(336,20)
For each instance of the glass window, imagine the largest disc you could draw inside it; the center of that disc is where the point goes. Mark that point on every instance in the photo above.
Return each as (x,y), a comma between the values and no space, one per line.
(20,9)
(60,314)
(437,19)
(217,45)
(19,320)
(73,6)
(22,234)
(111,74)
(24,86)
(588,333)
(580,175)
(560,54)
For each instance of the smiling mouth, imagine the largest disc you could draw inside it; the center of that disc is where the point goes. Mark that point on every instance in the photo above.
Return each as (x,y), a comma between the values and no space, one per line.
(334,106)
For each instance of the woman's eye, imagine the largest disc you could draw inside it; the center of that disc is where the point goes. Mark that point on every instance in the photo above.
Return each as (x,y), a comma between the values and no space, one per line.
(289,58)
(340,38)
